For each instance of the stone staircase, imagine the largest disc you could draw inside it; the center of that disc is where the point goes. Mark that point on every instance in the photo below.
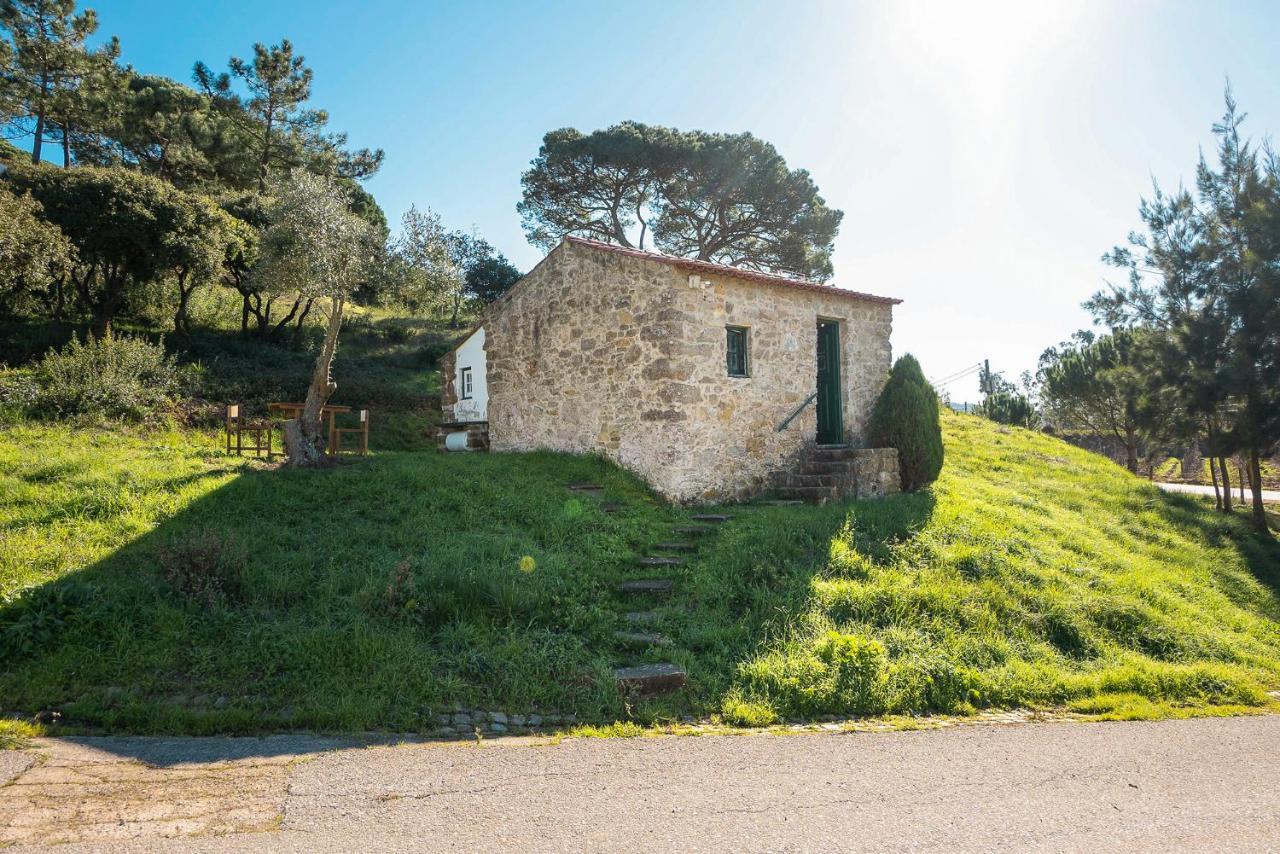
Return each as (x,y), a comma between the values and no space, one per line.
(837,472)
(640,634)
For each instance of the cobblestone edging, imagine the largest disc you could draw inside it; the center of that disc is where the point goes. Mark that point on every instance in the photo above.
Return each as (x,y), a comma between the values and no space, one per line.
(470,723)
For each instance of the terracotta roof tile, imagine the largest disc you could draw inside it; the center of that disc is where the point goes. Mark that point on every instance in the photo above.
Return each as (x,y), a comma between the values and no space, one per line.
(727,270)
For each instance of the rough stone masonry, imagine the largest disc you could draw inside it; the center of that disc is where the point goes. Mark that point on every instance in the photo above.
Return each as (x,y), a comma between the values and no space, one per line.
(623,353)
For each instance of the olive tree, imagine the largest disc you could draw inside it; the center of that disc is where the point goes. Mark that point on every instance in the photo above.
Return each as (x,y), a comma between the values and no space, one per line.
(314,244)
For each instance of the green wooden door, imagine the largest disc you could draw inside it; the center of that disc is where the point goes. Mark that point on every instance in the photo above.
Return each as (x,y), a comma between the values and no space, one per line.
(830,408)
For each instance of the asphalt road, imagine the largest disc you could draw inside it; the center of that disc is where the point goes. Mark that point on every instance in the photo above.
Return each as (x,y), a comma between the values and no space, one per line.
(1268,495)
(1207,784)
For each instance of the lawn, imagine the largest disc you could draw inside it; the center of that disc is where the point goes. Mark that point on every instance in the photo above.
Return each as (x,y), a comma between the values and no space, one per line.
(382,592)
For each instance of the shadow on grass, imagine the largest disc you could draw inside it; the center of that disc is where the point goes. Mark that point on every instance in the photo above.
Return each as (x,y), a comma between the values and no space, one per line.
(1195,515)
(755,579)
(324,631)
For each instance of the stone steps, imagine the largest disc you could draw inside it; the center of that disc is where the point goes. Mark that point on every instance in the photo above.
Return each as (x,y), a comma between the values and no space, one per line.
(714,518)
(836,467)
(649,680)
(676,547)
(647,587)
(641,618)
(831,453)
(813,480)
(661,561)
(779,502)
(586,487)
(694,531)
(643,639)
(811,494)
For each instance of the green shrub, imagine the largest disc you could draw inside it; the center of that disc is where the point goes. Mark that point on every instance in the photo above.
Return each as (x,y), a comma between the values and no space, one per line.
(34,618)
(111,377)
(1011,408)
(906,417)
(18,392)
(204,569)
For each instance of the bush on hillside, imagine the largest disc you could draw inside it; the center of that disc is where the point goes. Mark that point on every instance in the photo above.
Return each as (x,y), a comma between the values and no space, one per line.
(1011,408)
(111,377)
(906,417)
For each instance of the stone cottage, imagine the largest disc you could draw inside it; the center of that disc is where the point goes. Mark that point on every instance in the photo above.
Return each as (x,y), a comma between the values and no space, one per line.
(709,381)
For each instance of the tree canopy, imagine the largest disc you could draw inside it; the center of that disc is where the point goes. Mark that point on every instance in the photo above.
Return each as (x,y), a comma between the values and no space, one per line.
(1095,384)
(127,230)
(1204,282)
(727,198)
(34,254)
(49,70)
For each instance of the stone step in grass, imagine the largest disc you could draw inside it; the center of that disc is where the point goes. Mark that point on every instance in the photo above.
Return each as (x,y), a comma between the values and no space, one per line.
(676,547)
(693,531)
(610,507)
(586,487)
(649,680)
(641,618)
(715,518)
(641,639)
(780,502)
(647,587)
(661,561)
(813,494)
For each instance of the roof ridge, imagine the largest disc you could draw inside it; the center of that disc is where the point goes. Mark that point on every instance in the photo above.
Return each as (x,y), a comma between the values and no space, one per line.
(728,270)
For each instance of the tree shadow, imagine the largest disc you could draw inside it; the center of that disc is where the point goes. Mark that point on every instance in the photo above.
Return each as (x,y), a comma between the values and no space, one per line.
(755,580)
(305,632)
(1195,515)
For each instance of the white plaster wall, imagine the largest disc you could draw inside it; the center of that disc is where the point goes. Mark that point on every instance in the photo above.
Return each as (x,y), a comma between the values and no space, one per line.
(471,355)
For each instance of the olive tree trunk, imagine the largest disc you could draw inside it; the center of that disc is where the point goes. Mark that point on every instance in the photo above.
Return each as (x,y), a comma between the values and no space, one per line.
(304,437)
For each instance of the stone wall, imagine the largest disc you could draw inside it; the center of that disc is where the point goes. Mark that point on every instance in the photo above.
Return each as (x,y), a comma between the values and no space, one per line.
(600,352)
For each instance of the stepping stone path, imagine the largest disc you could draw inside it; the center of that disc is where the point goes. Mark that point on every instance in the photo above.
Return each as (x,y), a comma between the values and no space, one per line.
(642,638)
(649,680)
(639,632)
(647,586)
(661,561)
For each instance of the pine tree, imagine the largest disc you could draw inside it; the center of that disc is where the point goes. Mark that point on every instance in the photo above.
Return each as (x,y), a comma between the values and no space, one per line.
(51,66)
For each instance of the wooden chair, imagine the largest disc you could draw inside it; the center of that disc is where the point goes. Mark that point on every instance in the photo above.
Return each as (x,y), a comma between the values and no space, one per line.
(240,428)
(335,439)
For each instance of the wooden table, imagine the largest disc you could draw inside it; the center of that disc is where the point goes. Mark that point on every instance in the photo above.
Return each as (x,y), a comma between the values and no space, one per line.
(294,410)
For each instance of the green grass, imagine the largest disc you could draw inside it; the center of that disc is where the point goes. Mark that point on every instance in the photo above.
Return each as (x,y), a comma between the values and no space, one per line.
(378,593)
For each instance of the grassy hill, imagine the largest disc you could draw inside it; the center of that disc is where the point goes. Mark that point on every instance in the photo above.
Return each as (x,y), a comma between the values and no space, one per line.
(151,584)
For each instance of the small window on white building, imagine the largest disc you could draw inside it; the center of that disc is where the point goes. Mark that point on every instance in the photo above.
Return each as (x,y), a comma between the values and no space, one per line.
(464,384)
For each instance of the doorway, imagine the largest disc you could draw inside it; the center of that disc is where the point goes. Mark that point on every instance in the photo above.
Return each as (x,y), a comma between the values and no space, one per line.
(830,403)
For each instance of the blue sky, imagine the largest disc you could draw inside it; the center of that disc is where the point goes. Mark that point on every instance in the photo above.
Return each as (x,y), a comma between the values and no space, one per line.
(984,154)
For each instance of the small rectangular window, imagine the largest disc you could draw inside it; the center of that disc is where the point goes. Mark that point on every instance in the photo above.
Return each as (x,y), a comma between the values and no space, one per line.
(736,349)
(464,384)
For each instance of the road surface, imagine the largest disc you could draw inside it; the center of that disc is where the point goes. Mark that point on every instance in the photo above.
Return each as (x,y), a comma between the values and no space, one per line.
(1268,495)
(1206,784)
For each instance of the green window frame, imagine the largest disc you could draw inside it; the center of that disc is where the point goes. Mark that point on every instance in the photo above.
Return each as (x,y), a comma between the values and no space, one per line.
(737,351)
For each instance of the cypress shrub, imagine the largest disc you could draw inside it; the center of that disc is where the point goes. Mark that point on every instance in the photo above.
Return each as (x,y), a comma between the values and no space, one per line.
(906,417)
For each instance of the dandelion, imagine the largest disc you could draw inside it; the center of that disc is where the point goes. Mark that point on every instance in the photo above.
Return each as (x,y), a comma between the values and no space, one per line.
(528,564)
